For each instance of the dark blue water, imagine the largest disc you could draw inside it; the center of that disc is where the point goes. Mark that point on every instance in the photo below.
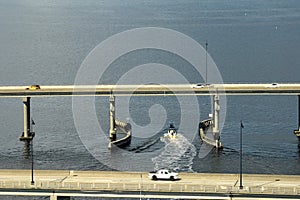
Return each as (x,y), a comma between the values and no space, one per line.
(45,42)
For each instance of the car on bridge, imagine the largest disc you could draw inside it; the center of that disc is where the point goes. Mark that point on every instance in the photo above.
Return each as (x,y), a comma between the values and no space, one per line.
(163,174)
(33,87)
(201,85)
(273,85)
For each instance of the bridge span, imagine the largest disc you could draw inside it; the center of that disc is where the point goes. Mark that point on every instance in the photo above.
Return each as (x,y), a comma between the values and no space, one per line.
(105,184)
(215,90)
(150,90)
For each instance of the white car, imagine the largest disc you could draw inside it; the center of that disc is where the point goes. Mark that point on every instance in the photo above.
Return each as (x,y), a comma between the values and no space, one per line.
(273,85)
(163,174)
(201,85)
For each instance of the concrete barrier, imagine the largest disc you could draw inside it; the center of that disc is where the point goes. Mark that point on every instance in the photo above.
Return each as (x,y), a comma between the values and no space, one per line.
(204,126)
(125,128)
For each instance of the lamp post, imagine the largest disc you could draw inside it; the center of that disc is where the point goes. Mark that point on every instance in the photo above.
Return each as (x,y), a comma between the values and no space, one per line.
(241,155)
(32,181)
(31,142)
(206,44)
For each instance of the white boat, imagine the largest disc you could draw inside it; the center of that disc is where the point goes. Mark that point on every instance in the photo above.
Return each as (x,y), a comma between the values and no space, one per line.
(172,132)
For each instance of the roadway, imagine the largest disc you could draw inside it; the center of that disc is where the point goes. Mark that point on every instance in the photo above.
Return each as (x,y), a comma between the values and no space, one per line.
(89,182)
(150,90)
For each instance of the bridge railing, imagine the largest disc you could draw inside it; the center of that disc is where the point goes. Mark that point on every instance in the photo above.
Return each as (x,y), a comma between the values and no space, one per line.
(150,187)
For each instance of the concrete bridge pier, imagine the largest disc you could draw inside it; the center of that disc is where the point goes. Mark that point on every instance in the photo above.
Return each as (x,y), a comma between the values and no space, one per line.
(27,134)
(117,126)
(297,132)
(54,197)
(216,129)
(112,118)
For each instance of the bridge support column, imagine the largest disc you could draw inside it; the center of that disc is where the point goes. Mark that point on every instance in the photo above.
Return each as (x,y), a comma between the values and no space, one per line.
(216,115)
(297,132)
(112,118)
(54,197)
(216,130)
(27,134)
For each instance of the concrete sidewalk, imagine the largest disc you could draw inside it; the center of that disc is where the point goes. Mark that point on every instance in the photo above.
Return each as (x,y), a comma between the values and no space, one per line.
(139,181)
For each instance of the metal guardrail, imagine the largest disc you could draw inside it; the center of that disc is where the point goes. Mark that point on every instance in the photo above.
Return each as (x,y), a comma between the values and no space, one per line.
(150,187)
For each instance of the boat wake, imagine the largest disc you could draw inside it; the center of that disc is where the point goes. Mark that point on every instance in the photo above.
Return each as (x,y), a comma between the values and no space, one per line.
(145,146)
(178,154)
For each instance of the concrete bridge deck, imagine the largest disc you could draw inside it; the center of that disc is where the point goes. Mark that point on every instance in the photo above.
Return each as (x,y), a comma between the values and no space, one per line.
(112,181)
(151,89)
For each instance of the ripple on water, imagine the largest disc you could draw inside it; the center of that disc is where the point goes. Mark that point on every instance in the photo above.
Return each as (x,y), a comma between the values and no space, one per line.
(178,154)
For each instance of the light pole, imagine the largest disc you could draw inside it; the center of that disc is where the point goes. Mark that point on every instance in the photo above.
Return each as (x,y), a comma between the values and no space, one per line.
(241,155)
(32,181)
(206,44)
(31,142)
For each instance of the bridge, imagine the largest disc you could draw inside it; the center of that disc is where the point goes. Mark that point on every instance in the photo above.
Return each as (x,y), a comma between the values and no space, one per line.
(215,90)
(108,184)
(57,184)
(150,90)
